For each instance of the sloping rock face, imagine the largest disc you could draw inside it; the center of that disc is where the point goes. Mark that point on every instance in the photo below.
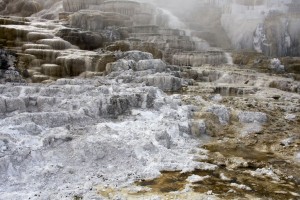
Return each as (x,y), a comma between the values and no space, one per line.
(282,36)
(199,58)
(50,133)
(96,20)
(224,24)
(265,26)
(275,27)
(24,8)
(76,5)
(20,7)
(94,25)
(83,39)
(94,121)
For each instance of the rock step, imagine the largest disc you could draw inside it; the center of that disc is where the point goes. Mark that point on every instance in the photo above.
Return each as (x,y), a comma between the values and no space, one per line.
(48,55)
(199,58)
(51,99)
(52,70)
(35,36)
(38,78)
(157,37)
(56,43)
(36,46)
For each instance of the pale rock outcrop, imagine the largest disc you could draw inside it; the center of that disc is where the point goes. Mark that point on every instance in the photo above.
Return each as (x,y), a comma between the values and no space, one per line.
(134,55)
(251,128)
(64,127)
(20,8)
(252,121)
(290,117)
(222,112)
(265,172)
(288,141)
(157,65)
(163,81)
(93,20)
(196,59)
(76,5)
(56,43)
(120,65)
(51,9)
(147,71)
(297,157)
(276,65)
(196,178)
(252,117)
(73,5)
(198,128)
(35,36)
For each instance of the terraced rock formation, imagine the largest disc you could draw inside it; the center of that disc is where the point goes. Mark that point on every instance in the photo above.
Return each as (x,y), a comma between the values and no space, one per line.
(124,101)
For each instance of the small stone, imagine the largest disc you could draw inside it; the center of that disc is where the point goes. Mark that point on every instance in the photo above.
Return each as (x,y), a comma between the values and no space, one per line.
(224,178)
(287,142)
(210,192)
(236,162)
(298,156)
(295,194)
(290,117)
(231,191)
(240,186)
(217,98)
(196,178)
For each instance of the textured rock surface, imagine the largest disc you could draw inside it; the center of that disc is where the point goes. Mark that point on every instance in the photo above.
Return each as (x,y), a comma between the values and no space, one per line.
(251,117)
(222,112)
(225,127)
(96,20)
(163,81)
(83,39)
(21,8)
(56,131)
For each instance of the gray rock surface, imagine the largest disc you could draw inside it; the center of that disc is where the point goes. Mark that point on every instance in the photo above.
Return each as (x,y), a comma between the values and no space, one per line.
(157,65)
(198,128)
(164,82)
(83,39)
(120,65)
(222,112)
(252,117)
(62,134)
(134,55)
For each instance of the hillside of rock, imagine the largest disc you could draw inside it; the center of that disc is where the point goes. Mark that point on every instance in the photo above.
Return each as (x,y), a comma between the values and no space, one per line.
(137,100)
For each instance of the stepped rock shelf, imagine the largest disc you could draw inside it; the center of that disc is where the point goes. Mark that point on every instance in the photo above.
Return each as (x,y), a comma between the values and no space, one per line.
(122,100)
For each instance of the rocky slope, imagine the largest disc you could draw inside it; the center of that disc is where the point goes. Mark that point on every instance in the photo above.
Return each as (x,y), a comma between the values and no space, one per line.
(123,101)
(265,26)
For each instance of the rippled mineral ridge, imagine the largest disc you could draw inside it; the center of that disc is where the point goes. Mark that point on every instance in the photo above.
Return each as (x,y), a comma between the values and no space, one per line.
(125,100)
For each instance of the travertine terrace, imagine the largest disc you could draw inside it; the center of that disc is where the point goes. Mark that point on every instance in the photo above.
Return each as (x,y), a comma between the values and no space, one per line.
(130,100)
